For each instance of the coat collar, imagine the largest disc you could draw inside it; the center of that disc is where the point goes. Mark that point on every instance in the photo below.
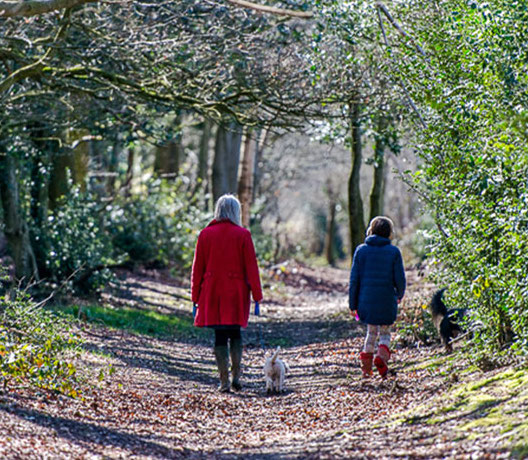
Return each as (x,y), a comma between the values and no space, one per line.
(216,222)
(375,240)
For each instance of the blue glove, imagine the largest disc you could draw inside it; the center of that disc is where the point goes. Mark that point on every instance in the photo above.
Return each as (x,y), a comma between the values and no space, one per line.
(257,309)
(195,308)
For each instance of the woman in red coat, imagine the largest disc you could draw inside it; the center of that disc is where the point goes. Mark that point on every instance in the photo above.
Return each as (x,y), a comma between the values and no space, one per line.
(224,272)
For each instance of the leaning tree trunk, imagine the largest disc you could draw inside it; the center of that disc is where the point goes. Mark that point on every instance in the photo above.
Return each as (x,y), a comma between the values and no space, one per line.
(15,226)
(226,159)
(245,184)
(355,203)
(377,193)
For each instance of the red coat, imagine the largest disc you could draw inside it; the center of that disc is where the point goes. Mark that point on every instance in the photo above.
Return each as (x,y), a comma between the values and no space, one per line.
(224,272)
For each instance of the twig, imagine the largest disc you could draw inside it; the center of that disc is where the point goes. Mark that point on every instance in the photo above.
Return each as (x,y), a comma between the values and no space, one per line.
(53,293)
(272,9)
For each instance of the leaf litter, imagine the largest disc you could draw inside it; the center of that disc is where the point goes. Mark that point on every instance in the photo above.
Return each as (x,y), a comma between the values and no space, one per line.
(162,402)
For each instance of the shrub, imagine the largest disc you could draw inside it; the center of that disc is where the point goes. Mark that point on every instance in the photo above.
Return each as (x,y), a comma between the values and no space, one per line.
(83,237)
(475,161)
(34,345)
(415,325)
(161,225)
(76,242)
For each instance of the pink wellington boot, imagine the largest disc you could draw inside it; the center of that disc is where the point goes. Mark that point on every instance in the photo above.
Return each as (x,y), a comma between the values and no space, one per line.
(366,363)
(381,360)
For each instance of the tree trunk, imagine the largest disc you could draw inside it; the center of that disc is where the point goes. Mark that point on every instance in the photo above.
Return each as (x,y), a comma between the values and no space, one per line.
(113,166)
(169,157)
(15,227)
(259,147)
(39,211)
(377,193)
(330,232)
(69,165)
(226,159)
(61,163)
(245,184)
(355,203)
(131,160)
(203,154)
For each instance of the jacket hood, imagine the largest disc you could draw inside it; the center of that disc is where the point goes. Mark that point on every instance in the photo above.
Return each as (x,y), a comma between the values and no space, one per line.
(375,240)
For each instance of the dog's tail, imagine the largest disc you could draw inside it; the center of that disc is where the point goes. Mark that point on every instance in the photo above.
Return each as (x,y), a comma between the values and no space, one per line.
(275,355)
(437,305)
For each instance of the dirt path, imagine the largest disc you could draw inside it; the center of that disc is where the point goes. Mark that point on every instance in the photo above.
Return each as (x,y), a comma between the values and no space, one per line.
(162,401)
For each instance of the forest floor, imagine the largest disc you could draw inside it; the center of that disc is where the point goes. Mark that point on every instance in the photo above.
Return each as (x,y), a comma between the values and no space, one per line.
(160,400)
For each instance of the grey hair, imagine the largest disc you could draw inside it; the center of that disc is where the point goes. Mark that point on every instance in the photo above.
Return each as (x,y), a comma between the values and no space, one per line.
(228,208)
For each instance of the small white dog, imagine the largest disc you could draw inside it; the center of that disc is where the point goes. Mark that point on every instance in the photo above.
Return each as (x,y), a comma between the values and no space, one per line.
(274,371)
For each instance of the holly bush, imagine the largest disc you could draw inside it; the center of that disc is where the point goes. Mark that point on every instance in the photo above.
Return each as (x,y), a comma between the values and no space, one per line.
(472,91)
(159,225)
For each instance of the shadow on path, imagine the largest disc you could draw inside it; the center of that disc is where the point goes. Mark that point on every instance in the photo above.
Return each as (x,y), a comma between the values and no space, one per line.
(82,433)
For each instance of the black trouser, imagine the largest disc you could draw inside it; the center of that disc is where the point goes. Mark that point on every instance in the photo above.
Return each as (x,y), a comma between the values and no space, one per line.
(225,333)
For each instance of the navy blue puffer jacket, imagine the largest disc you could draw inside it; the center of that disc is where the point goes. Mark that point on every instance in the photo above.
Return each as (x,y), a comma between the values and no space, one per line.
(377,281)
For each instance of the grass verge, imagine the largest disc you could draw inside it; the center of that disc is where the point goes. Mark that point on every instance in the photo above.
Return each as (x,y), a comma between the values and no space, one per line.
(144,322)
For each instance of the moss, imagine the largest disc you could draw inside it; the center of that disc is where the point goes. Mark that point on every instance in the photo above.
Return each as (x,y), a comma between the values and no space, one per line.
(520,450)
(489,406)
(432,364)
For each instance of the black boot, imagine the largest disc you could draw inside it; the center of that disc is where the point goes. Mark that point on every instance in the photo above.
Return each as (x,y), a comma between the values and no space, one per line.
(222,361)
(236,359)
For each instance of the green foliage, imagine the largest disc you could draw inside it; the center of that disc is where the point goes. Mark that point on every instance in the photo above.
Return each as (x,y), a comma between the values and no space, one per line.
(34,344)
(415,325)
(76,240)
(265,246)
(473,90)
(83,237)
(160,225)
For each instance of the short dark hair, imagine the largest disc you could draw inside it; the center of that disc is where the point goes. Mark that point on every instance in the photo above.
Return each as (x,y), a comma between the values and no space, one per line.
(381,226)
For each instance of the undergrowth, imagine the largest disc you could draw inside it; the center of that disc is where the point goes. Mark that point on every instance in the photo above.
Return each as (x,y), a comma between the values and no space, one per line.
(36,346)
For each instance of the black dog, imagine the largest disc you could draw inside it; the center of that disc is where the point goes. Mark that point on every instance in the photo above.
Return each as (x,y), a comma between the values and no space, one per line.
(446,321)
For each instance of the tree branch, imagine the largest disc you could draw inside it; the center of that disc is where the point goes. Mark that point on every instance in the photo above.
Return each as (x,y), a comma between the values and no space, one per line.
(9,9)
(401,85)
(272,9)
(381,7)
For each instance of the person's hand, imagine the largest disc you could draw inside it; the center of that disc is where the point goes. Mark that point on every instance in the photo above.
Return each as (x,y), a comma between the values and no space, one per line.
(353,313)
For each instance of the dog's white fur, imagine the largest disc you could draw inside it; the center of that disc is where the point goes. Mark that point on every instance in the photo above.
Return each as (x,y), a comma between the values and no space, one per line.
(275,371)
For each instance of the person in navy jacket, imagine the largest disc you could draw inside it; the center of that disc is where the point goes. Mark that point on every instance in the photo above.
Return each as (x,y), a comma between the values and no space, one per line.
(377,285)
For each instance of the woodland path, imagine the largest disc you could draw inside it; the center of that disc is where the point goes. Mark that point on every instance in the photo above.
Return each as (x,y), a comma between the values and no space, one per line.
(162,402)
